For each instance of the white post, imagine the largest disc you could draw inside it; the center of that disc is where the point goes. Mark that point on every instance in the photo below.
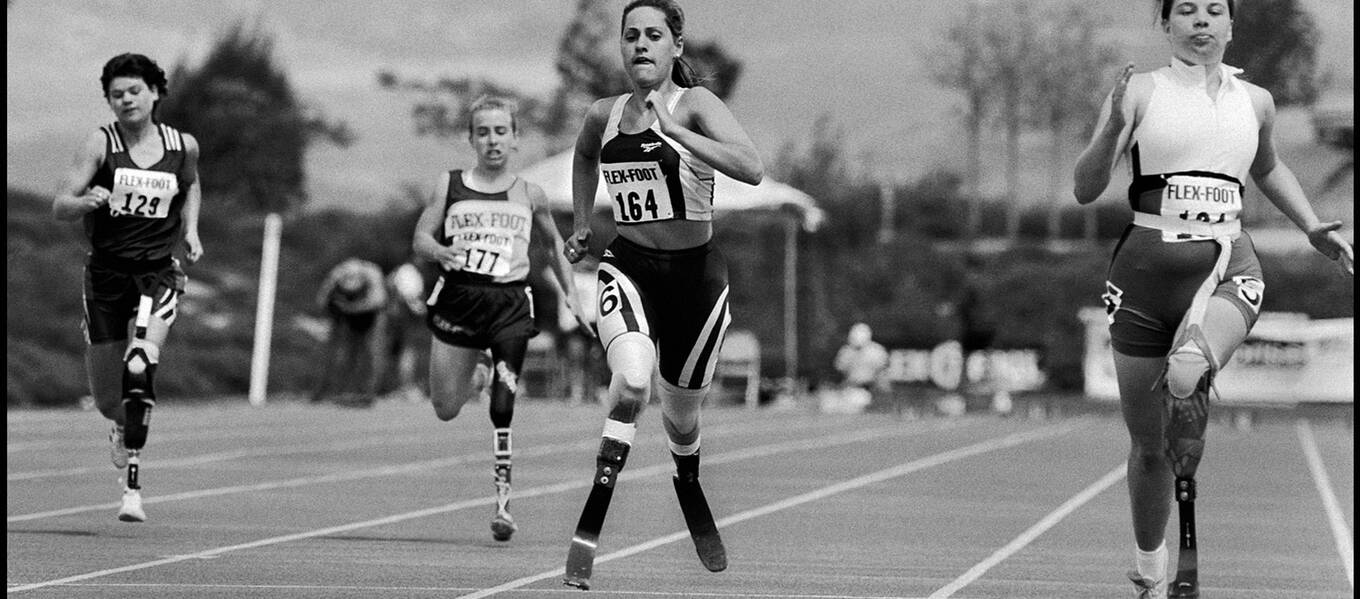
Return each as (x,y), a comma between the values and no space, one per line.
(791,300)
(888,212)
(264,309)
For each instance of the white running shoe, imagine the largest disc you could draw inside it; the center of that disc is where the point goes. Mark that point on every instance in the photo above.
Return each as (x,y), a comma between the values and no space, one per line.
(117,451)
(1147,587)
(131,510)
(502,526)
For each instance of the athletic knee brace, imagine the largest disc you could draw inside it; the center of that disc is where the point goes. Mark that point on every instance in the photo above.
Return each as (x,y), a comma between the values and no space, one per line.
(613,455)
(632,358)
(680,411)
(138,397)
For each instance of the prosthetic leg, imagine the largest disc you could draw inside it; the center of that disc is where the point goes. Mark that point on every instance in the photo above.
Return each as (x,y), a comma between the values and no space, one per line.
(502,525)
(138,398)
(581,556)
(698,517)
(680,417)
(1191,365)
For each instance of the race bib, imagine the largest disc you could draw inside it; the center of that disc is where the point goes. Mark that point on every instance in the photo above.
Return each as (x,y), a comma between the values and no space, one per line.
(486,233)
(1202,199)
(142,194)
(638,191)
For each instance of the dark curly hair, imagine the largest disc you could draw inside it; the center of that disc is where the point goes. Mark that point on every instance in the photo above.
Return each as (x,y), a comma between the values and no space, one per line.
(134,65)
(1167,4)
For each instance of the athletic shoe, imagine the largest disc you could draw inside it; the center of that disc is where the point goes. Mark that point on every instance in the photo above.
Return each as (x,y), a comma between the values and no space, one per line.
(1148,588)
(117,451)
(502,526)
(131,510)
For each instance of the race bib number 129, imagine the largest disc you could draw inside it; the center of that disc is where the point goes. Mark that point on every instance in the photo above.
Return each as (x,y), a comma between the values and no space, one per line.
(142,194)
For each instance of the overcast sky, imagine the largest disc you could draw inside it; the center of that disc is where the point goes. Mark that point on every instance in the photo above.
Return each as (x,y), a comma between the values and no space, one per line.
(860,61)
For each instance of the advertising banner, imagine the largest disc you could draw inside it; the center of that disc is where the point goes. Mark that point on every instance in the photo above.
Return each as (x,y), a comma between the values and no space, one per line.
(1287,359)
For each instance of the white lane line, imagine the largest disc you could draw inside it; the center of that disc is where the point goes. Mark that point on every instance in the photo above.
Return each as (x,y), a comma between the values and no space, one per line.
(827,491)
(335,477)
(98,436)
(376,590)
(1345,546)
(222,456)
(350,475)
(762,450)
(1032,533)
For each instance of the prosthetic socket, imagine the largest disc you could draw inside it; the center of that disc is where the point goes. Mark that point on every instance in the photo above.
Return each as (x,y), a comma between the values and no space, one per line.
(613,454)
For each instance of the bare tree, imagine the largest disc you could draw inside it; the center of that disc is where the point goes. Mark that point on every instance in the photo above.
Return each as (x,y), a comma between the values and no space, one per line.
(959,64)
(1070,68)
(1010,40)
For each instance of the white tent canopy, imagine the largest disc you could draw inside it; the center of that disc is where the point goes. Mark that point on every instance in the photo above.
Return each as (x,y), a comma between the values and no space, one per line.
(553,174)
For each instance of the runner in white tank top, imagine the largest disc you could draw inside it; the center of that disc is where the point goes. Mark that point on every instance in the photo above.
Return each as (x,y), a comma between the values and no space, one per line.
(1184,285)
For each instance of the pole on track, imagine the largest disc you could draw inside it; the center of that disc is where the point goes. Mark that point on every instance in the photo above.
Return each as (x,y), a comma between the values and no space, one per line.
(264,309)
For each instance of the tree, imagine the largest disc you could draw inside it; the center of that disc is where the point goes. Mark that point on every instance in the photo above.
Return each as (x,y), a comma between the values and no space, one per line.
(1275,43)
(959,65)
(1010,42)
(1071,66)
(1026,69)
(250,125)
(588,65)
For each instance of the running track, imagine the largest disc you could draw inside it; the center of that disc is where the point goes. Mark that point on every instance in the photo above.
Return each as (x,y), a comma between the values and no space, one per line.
(295,501)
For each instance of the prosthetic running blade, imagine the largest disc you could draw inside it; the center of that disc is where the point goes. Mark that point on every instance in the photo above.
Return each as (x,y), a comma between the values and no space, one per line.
(581,554)
(707,542)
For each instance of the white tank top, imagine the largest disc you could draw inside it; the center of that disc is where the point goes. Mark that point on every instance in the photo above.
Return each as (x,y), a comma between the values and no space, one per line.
(1191,153)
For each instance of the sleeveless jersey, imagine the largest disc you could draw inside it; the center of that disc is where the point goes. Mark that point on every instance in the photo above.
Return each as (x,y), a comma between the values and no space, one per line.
(142,222)
(1191,152)
(651,177)
(492,229)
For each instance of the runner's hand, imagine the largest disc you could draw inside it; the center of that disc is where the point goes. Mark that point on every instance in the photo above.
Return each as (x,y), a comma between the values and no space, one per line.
(451,258)
(193,247)
(664,118)
(95,197)
(1326,239)
(577,245)
(1121,85)
(578,311)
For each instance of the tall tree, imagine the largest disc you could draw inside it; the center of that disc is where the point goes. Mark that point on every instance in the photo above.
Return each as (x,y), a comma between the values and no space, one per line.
(1071,65)
(1011,42)
(1275,43)
(250,124)
(959,64)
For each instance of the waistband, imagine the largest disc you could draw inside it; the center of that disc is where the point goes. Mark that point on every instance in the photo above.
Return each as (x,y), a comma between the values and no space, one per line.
(130,265)
(465,280)
(1171,224)
(622,243)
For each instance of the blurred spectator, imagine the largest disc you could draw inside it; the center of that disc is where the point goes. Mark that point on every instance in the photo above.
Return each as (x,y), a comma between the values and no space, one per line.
(407,340)
(979,329)
(354,295)
(862,363)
